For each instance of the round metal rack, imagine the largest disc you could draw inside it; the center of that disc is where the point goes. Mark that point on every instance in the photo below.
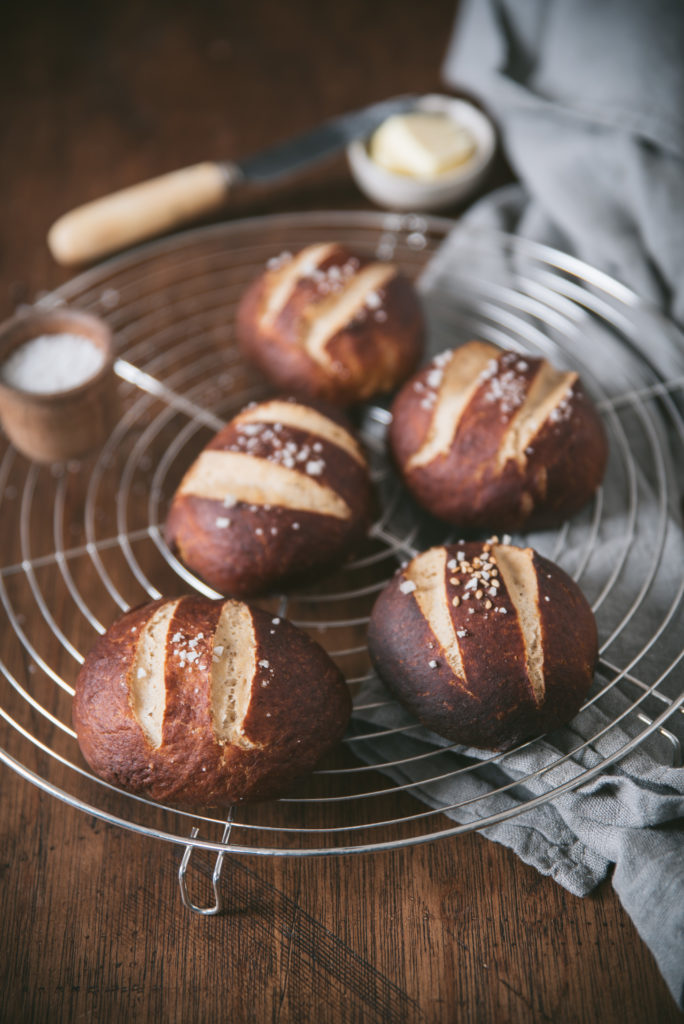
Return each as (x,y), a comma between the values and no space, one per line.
(89,541)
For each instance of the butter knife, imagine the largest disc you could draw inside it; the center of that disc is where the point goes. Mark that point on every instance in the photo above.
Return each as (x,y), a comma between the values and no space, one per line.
(123,218)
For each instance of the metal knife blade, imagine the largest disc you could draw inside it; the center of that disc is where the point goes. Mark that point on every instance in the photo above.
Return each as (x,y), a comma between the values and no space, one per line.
(289,157)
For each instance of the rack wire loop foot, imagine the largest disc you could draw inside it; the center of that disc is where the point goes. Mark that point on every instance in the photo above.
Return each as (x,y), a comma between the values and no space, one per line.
(215,877)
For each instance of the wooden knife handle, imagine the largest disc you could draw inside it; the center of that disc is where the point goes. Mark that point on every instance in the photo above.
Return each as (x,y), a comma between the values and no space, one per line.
(139,212)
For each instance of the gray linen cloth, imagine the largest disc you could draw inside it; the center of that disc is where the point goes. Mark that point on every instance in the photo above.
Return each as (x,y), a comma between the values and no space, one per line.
(588,97)
(589,100)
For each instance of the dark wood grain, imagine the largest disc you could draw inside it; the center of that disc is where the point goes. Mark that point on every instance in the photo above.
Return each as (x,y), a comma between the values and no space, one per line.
(93,928)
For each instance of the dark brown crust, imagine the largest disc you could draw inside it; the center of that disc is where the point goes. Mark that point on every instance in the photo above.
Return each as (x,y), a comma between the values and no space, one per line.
(369,357)
(494,708)
(241,562)
(464,487)
(295,719)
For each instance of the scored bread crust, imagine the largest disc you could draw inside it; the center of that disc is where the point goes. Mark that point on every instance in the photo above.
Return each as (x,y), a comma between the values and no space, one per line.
(479,481)
(298,708)
(266,544)
(364,355)
(495,702)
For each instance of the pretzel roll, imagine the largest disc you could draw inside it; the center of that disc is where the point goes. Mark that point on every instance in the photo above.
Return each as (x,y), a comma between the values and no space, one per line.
(486,644)
(205,703)
(330,324)
(281,491)
(486,438)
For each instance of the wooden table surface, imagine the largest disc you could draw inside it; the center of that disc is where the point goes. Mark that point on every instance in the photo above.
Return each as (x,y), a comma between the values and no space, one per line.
(93,926)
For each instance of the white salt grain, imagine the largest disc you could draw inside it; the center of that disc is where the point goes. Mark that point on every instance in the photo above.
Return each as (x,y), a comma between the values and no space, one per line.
(109,299)
(52,363)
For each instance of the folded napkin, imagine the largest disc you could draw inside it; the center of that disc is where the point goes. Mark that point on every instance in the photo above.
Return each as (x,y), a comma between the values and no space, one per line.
(588,100)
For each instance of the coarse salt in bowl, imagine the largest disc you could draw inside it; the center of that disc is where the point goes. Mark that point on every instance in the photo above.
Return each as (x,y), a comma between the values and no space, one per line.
(57,385)
(52,363)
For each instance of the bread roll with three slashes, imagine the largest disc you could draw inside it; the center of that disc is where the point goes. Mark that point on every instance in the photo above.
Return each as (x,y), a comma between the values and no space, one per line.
(280,492)
(205,703)
(485,643)
(330,324)
(491,439)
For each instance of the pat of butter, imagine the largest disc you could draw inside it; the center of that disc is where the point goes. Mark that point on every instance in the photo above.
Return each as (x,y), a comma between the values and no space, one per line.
(421,145)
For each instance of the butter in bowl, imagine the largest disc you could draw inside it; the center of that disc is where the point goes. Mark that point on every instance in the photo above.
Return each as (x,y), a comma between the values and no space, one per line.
(428,158)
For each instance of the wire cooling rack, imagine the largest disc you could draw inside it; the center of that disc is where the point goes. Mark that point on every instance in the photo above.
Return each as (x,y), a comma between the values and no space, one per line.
(88,542)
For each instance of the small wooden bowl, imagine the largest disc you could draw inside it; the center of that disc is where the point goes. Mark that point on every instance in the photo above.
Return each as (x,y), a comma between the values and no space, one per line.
(58,425)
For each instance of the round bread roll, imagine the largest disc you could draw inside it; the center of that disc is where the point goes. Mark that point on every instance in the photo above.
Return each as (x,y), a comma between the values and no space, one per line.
(205,703)
(485,643)
(486,438)
(281,491)
(330,324)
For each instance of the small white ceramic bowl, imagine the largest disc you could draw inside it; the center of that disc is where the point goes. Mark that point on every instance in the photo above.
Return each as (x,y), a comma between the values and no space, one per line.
(402,192)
